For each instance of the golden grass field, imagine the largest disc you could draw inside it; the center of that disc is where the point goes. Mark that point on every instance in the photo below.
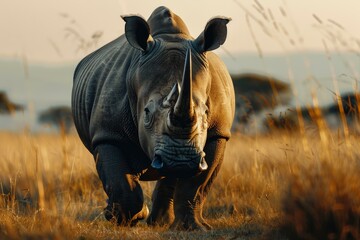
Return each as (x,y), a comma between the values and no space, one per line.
(278,186)
(284,185)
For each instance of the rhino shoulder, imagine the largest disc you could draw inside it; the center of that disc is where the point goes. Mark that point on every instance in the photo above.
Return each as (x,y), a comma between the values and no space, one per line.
(221,99)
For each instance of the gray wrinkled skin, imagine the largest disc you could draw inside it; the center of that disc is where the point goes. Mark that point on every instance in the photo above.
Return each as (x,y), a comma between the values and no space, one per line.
(156,104)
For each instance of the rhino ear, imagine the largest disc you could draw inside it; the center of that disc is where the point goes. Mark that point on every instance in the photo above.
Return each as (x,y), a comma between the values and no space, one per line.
(137,32)
(213,36)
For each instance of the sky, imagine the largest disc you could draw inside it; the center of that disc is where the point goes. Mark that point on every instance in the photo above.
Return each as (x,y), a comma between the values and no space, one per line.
(49,31)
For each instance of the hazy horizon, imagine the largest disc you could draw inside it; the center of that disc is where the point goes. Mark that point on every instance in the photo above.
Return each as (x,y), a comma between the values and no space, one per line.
(39,86)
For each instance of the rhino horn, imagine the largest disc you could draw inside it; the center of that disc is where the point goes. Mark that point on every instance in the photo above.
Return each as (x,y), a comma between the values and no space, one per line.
(184,105)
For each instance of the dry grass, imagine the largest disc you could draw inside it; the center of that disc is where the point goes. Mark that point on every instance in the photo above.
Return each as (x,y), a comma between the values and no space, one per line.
(282,186)
(270,187)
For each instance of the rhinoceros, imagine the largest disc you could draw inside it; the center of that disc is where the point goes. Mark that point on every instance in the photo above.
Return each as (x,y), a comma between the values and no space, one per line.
(156,104)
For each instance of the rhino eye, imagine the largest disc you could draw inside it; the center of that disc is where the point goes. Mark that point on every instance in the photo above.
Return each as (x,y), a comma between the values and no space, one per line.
(147,117)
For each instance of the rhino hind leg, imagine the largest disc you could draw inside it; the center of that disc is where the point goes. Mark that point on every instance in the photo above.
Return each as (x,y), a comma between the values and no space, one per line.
(162,212)
(126,202)
(190,194)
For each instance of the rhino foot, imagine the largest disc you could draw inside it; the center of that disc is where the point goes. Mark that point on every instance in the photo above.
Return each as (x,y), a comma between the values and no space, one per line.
(206,225)
(190,225)
(113,214)
(143,214)
(163,220)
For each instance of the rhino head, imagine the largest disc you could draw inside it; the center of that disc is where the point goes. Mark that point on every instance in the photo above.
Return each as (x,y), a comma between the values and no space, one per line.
(172,81)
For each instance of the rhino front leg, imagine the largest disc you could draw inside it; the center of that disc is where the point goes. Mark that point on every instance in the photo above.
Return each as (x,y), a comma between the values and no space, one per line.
(190,194)
(126,203)
(162,212)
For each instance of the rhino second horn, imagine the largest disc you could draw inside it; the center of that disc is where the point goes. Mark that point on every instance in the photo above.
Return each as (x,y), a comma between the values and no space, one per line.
(172,97)
(184,105)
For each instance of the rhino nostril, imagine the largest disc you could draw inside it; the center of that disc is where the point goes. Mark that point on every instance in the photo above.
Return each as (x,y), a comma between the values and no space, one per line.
(157,163)
(203,165)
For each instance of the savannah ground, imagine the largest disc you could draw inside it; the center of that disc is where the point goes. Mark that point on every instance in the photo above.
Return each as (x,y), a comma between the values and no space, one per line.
(279,186)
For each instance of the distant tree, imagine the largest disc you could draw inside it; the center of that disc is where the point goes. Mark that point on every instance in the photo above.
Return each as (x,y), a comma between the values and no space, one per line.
(255,92)
(349,107)
(289,119)
(315,116)
(261,91)
(6,106)
(60,117)
(350,104)
(284,121)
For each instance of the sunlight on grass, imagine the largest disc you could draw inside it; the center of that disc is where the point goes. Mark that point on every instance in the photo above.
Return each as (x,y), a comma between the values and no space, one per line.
(268,185)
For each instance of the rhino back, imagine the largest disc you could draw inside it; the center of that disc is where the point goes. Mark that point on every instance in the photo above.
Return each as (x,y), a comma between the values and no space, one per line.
(100,99)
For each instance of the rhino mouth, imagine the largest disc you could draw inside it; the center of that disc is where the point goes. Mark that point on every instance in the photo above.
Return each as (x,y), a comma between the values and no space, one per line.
(179,161)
